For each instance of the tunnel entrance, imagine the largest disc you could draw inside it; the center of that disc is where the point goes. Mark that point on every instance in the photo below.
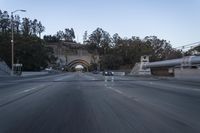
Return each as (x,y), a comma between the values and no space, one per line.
(73,64)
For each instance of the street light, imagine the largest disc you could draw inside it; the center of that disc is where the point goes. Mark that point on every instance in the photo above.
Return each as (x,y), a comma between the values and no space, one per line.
(12,40)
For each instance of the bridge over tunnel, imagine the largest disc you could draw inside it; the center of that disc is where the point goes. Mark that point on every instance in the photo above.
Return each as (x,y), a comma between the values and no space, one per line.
(71,65)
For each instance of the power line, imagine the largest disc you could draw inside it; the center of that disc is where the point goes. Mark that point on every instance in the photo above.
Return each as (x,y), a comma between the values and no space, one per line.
(188,45)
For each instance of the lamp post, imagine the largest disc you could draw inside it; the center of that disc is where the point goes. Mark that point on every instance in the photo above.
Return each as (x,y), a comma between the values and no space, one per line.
(12,39)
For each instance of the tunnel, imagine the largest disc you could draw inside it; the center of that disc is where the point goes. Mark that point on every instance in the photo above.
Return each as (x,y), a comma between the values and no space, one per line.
(71,66)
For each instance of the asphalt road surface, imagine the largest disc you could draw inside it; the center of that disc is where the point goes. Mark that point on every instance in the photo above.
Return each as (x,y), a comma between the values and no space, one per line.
(87,103)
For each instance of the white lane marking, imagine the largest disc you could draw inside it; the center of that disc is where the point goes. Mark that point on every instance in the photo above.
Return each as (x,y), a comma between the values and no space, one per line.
(122,93)
(118,91)
(112,79)
(90,77)
(31,89)
(23,92)
(61,78)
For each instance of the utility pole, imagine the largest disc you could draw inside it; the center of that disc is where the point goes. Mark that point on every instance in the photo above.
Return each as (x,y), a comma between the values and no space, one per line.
(12,39)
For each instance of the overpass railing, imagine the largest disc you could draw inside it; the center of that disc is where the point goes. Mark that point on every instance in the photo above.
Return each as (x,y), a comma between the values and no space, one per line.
(185,61)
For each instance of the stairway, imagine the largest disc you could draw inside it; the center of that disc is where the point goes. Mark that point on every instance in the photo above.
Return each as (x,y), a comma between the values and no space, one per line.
(4,69)
(136,69)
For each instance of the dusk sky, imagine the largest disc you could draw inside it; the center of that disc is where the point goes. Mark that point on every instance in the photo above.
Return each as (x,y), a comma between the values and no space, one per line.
(177,21)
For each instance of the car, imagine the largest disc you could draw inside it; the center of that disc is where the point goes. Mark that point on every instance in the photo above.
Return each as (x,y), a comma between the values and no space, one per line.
(95,72)
(108,73)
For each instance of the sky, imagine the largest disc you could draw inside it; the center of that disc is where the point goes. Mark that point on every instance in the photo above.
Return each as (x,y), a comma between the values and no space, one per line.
(177,21)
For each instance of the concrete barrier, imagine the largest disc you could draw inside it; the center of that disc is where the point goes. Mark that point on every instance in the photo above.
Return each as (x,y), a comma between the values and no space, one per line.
(26,74)
(119,73)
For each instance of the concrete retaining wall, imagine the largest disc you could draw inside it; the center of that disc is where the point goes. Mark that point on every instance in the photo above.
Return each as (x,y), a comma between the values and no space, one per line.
(187,74)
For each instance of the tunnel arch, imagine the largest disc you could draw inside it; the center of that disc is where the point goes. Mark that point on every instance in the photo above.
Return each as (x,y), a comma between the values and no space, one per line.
(73,63)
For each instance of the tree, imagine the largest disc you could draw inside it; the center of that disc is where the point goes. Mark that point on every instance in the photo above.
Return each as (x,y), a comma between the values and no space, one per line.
(110,62)
(100,40)
(50,38)
(40,28)
(17,23)
(34,27)
(193,51)
(26,27)
(60,35)
(161,49)
(116,39)
(69,35)
(30,50)
(4,21)
(85,37)
(116,51)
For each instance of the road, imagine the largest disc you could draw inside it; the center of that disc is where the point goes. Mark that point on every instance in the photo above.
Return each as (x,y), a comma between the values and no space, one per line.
(86,103)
